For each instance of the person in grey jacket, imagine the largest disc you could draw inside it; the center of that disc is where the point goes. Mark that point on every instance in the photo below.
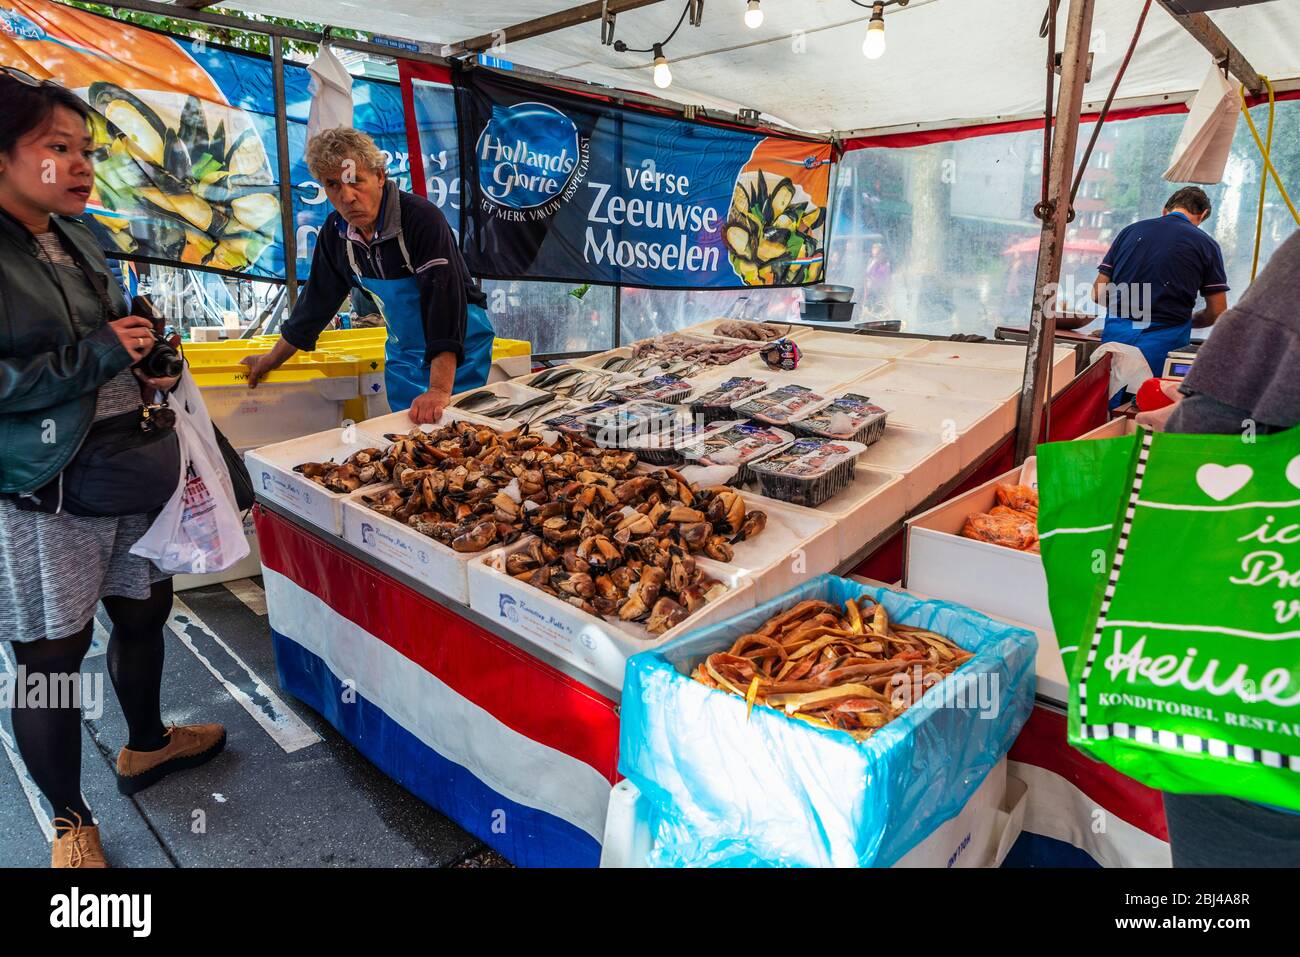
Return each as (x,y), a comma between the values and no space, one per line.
(68,354)
(1246,379)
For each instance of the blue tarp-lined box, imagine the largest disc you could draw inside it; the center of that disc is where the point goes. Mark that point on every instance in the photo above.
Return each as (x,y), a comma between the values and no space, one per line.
(725,789)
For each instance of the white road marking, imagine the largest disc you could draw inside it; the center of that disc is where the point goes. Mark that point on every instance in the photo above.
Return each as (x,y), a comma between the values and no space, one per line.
(250,593)
(285,728)
(20,769)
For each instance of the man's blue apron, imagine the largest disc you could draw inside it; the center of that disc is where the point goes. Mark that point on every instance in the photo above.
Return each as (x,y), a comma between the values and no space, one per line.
(1154,341)
(406,375)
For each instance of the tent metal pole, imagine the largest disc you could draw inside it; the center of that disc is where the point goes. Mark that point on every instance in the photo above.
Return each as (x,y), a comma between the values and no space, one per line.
(540,26)
(1204,32)
(1051,243)
(289,241)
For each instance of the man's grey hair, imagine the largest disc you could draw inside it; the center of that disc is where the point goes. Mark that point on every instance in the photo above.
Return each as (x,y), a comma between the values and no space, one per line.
(329,150)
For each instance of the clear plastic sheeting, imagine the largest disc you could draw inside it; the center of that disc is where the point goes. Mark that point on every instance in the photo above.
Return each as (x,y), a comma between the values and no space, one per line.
(767,790)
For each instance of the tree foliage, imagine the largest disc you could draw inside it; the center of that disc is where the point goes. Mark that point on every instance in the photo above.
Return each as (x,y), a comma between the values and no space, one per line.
(239,39)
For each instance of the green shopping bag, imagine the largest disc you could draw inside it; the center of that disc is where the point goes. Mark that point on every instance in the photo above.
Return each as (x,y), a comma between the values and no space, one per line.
(1173,566)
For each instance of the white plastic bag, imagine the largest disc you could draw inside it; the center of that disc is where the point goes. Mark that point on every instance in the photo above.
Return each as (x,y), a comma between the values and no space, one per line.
(199,529)
(1202,149)
(331,93)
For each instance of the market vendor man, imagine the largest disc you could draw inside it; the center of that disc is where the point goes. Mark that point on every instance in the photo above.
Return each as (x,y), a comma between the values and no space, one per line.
(1152,274)
(400,249)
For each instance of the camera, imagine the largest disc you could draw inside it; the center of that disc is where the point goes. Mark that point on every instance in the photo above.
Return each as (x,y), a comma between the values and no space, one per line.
(162,361)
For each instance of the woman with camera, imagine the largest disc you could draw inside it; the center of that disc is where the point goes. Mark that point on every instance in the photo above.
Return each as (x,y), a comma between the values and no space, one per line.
(79,450)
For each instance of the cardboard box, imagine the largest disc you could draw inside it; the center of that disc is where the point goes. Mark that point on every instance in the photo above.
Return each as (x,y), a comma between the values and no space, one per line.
(271,469)
(1113,429)
(980,835)
(1001,582)
(598,647)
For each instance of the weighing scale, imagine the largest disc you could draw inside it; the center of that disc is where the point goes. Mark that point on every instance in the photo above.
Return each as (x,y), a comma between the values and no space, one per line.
(1178,364)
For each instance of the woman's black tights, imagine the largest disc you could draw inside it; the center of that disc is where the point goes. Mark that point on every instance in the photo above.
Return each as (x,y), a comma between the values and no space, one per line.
(49,738)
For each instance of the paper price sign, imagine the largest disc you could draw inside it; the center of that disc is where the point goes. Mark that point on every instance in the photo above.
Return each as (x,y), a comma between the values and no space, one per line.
(1173,566)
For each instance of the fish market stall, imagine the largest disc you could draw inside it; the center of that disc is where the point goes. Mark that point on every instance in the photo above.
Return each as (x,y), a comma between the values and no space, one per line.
(556,525)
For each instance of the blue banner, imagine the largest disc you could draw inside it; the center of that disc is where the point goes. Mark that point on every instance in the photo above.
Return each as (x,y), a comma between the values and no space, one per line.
(564,187)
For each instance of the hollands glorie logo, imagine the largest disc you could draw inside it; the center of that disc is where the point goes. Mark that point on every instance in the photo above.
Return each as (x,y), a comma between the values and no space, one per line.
(529,155)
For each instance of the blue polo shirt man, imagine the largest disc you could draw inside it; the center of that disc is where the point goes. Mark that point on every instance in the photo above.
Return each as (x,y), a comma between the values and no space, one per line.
(1152,274)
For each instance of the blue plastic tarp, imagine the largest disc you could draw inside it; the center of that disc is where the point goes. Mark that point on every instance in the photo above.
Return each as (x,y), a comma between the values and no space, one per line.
(768,790)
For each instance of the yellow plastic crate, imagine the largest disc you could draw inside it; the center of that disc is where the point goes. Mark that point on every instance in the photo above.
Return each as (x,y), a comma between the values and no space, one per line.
(504,348)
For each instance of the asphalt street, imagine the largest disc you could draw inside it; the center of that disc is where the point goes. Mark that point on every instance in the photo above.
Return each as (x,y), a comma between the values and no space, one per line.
(288,791)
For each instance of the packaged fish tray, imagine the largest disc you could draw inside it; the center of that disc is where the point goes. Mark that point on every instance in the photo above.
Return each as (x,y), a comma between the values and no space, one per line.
(571,422)
(716,404)
(809,471)
(738,444)
(661,388)
(663,446)
(615,427)
(849,418)
(778,406)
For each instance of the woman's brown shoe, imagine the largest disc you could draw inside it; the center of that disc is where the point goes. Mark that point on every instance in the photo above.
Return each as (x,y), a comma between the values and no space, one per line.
(76,844)
(187,746)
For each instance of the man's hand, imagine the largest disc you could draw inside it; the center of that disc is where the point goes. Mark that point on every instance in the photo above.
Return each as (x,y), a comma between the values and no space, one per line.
(427,407)
(258,368)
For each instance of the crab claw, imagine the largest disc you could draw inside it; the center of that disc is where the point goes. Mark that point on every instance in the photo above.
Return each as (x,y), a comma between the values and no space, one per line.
(665,614)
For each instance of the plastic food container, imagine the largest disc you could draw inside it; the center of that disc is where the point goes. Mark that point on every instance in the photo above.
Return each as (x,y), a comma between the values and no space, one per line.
(571,422)
(739,444)
(779,405)
(614,427)
(716,404)
(663,446)
(660,388)
(808,472)
(849,418)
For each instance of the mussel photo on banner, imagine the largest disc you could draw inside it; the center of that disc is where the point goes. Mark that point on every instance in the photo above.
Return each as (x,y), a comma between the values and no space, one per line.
(186,169)
(563,187)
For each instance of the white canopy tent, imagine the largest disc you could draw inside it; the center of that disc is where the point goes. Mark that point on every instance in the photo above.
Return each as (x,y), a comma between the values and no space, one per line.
(948,62)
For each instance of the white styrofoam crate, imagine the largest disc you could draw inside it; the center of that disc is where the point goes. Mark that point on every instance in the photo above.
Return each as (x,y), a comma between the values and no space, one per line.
(510,367)
(599,648)
(988,355)
(271,469)
(395,423)
(796,545)
(848,344)
(873,501)
(823,371)
(994,579)
(509,390)
(925,460)
(392,543)
(904,375)
(974,426)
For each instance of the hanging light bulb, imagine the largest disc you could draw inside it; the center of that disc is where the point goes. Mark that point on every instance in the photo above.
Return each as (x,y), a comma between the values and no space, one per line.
(873,45)
(663,75)
(754,15)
